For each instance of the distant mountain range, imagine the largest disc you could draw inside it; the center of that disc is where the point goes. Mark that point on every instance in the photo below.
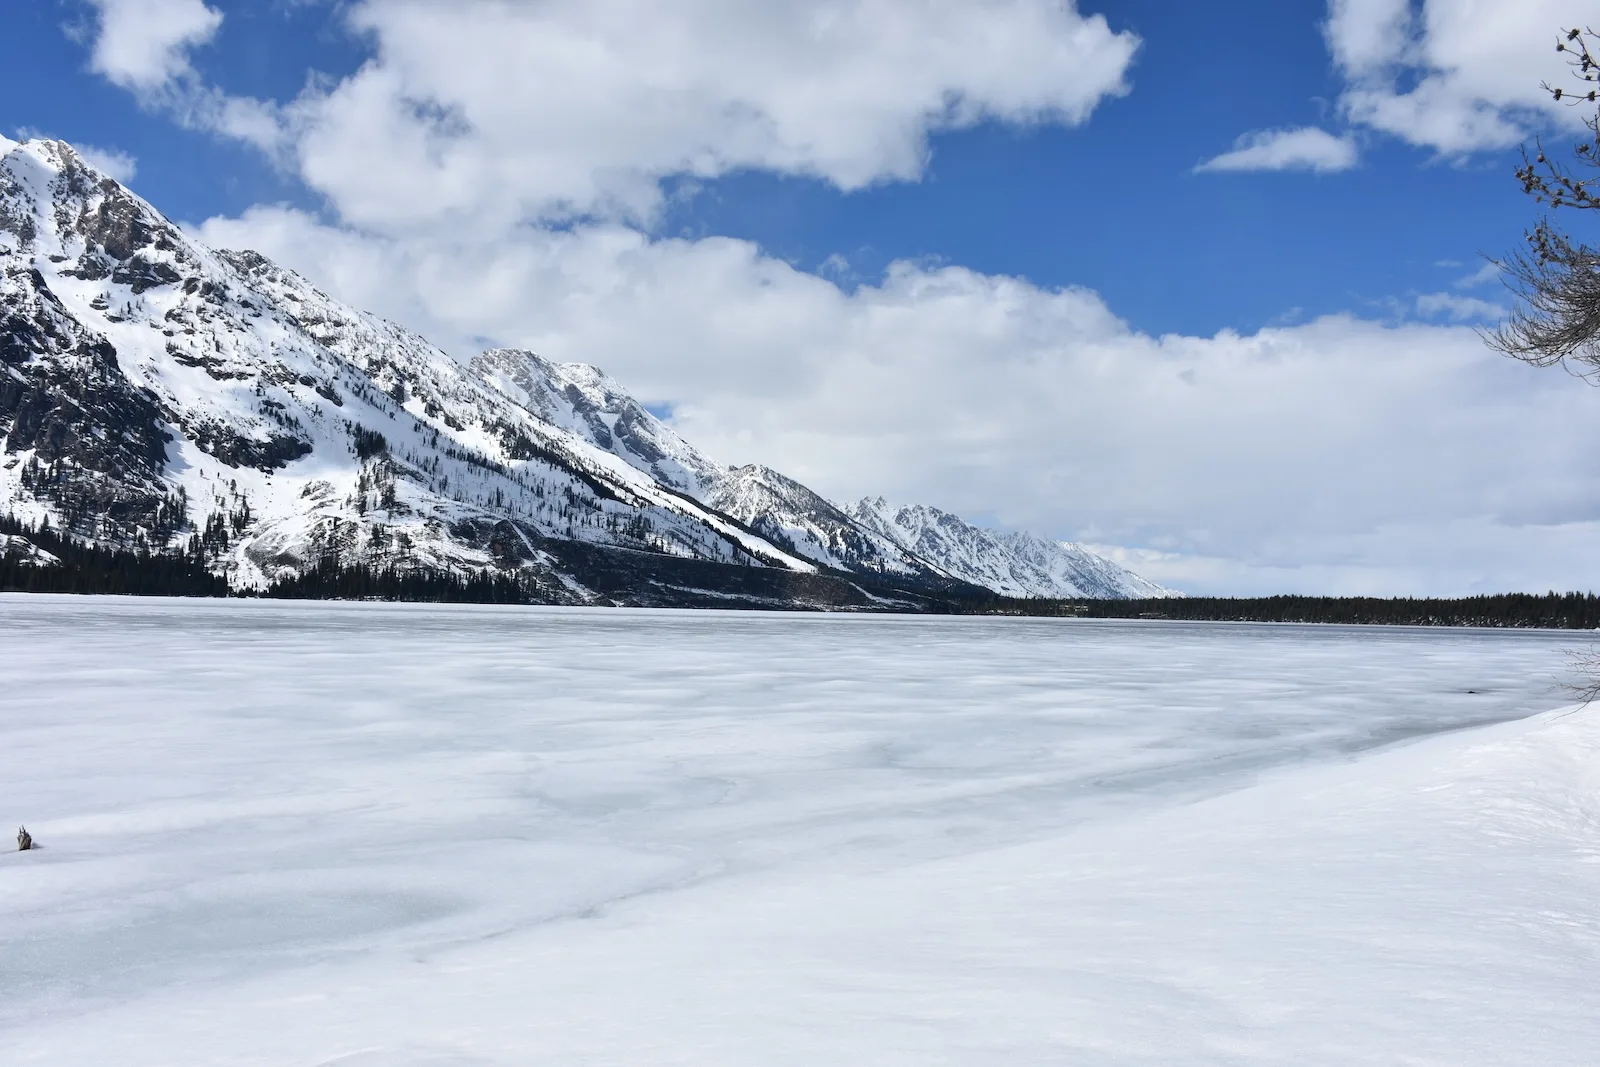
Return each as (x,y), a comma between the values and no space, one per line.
(162,395)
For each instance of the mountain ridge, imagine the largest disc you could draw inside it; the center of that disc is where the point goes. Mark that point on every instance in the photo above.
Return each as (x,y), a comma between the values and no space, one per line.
(156,393)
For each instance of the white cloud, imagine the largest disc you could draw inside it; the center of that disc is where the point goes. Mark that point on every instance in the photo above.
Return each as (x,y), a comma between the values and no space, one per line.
(1305,148)
(109,161)
(1368,36)
(1485,274)
(1458,308)
(1337,455)
(484,113)
(143,45)
(1452,75)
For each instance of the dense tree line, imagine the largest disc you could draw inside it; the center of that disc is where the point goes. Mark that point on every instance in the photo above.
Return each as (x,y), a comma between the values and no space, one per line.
(332,580)
(1553,611)
(84,568)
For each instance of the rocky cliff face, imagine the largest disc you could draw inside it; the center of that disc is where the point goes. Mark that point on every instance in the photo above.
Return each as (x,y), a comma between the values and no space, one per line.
(157,393)
(83,442)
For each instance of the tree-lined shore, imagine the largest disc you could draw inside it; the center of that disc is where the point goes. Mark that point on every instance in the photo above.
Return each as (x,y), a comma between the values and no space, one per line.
(43,560)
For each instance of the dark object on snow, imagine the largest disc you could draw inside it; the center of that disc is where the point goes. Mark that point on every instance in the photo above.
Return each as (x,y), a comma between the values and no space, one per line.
(24,839)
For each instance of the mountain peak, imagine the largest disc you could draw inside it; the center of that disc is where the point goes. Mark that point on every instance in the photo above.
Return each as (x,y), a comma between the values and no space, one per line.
(585,400)
(56,205)
(787,513)
(762,474)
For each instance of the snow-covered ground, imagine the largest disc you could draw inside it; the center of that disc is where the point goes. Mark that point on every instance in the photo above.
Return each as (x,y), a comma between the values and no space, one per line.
(403,836)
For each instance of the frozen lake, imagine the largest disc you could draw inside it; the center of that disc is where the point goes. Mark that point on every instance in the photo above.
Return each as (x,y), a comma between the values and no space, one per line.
(402,835)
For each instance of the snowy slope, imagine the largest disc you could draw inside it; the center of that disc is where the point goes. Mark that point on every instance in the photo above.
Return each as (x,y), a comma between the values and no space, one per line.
(1012,563)
(26,551)
(871,538)
(348,835)
(154,389)
(787,513)
(593,405)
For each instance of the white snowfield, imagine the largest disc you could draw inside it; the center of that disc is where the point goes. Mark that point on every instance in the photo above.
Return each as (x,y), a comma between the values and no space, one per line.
(398,836)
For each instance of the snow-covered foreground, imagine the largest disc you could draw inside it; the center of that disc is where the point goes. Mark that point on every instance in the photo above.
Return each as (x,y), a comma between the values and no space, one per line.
(403,836)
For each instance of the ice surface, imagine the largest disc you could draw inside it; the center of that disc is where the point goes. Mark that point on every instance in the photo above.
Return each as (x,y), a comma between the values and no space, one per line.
(406,836)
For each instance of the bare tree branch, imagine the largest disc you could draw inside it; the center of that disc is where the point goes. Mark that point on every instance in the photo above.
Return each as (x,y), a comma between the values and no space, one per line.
(1557,317)
(1556,280)
(1587,688)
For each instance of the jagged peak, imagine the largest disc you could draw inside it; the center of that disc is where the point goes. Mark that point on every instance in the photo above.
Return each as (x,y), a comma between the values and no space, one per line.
(54,153)
(68,171)
(593,382)
(882,507)
(249,263)
(55,202)
(760,472)
(529,372)
(760,480)
(1014,562)
(509,356)
(584,399)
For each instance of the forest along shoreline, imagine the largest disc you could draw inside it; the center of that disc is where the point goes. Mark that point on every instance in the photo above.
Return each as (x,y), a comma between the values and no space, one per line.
(46,561)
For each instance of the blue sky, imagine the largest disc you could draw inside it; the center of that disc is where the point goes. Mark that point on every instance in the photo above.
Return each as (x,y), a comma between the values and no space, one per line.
(1113,205)
(963,254)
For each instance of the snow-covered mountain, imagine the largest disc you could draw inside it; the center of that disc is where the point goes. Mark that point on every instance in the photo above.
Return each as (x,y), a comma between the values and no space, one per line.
(155,392)
(787,513)
(590,403)
(870,538)
(1014,564)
